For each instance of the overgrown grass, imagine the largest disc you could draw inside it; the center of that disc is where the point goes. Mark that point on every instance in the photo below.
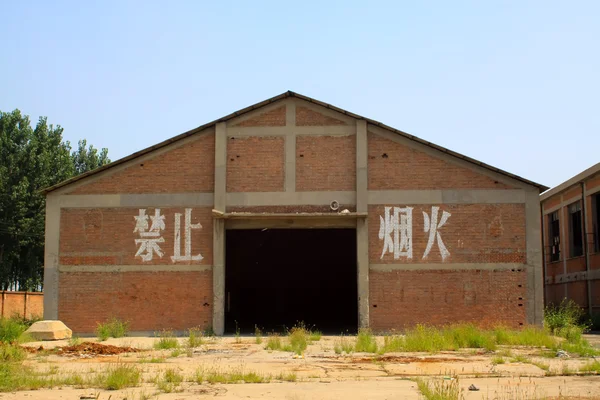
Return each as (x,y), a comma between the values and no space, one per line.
(366,342)
(238,375)
(195,338)
(274,343)
(119,376)
(169,381)
(498,360)
(593,367)
(343,345)
(166,341)
(114,327)
(315,336)
(298,339)
(439,389)
(11,329)
(11,353)
(74,340)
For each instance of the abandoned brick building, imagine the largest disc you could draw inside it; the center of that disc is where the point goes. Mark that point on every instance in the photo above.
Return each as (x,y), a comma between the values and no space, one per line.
(293,210)
(571,232)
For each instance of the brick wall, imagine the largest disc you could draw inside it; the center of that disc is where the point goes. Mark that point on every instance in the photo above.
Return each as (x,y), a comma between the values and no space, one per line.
(404,298)
(187,168)
(150,301)
(309,117)
(105,236)
(474,233)
(22,304)
(275,117)
(393,166)
(325,163)
(255,164)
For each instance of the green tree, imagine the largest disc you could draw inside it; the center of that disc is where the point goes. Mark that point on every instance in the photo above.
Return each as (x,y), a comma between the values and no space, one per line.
(31,159)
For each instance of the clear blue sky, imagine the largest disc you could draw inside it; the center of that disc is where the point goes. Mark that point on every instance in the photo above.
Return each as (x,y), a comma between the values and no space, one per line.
(515,84)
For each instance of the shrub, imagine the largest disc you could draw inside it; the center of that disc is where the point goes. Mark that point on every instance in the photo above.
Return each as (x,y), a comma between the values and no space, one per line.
(11,329)
(559,319)
(114,327)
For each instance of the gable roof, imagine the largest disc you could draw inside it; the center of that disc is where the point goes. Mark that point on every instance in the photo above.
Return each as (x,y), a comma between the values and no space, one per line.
(272,100)
(594,169)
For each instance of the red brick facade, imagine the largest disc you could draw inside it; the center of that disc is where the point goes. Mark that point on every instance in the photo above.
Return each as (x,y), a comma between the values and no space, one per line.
(102,275)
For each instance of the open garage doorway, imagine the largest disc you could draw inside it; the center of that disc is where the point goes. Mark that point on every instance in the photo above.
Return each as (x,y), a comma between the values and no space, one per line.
(275,278)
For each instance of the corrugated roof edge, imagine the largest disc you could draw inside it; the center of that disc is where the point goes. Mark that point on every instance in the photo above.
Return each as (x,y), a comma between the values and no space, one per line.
(269,101)
(571,182)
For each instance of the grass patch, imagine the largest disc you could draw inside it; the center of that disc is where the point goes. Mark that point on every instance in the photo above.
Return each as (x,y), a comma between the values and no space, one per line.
(195,338)
(541,365)
(166,341)
(287,377)
(153,360)
(119,376)
(519,358)
(439,389)
(11,353)
(11,329)
(257,334)
(114,327)
(343,345)
(582,348)
(169,381)
(366,342)
(274,343)
(592,367)
(299,338)
(235,376)
(315,336)
(498,360)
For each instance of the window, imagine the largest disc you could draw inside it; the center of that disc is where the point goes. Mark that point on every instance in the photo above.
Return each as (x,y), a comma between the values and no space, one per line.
(596,221)
(554,235)
(575,230)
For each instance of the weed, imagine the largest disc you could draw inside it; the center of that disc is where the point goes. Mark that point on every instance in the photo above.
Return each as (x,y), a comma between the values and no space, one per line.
(74,340)
(582,348)
(11,329)
(366,342)
(315,336)
(166,341)
(470,336)
(559,319)
(11,353)
(593,366)
(429,339)
(541,365)
(120,376)
(114,327)
(274,343)
(170,381)
(343,345)
(235,376)
(176,353)
(238,339)
(195,338)
(153,360)
(566,371)
(498,360)
(298,339)
(440,389)
(257,334)
(519,358)
(288,377)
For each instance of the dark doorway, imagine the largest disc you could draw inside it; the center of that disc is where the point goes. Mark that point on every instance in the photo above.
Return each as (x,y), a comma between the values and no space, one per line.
(276,278)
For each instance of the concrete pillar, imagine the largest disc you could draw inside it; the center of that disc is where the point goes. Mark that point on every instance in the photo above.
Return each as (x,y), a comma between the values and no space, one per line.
(220,196)
(362,228)
(51,252)
(535,282)
(586,247)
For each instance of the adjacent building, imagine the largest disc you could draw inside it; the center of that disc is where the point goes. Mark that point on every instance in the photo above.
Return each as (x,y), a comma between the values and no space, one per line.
(293,210)
(571,223)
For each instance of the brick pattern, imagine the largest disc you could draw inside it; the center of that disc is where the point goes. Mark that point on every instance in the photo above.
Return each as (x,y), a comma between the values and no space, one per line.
(150,301)
(551,202)
(393,166)
(105,236)
(188,168)
(592,182)
(474,233)
(400,299)
(325,163)
(255,164)
(309,117)
(275,117)
(13,304)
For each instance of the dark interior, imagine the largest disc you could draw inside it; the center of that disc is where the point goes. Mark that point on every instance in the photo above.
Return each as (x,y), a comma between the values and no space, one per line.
(276,278)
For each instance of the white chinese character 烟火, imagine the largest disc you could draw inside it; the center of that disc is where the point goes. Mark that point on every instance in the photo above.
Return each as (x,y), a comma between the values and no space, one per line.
(395,229)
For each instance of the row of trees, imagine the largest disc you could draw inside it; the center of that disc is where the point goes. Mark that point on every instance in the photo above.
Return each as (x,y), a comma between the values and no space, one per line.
(32,159)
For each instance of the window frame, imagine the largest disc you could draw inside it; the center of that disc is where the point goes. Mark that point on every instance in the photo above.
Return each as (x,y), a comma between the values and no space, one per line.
(574,209)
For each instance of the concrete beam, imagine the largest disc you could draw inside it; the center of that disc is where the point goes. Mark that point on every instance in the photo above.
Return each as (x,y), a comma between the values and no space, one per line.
(51,257)
(533,240)
(285,131)
(290,164)
(134,268)
(220,198)
(446,266)
(362,227)
(136,200)
(291,198)
(447,196)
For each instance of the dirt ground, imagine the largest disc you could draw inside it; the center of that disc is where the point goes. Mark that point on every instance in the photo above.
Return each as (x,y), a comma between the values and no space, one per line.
(319,374)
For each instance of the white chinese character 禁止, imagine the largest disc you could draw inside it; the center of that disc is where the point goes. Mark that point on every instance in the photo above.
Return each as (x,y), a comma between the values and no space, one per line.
(395,229)
(432,226)
(150,237)
(187,240)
